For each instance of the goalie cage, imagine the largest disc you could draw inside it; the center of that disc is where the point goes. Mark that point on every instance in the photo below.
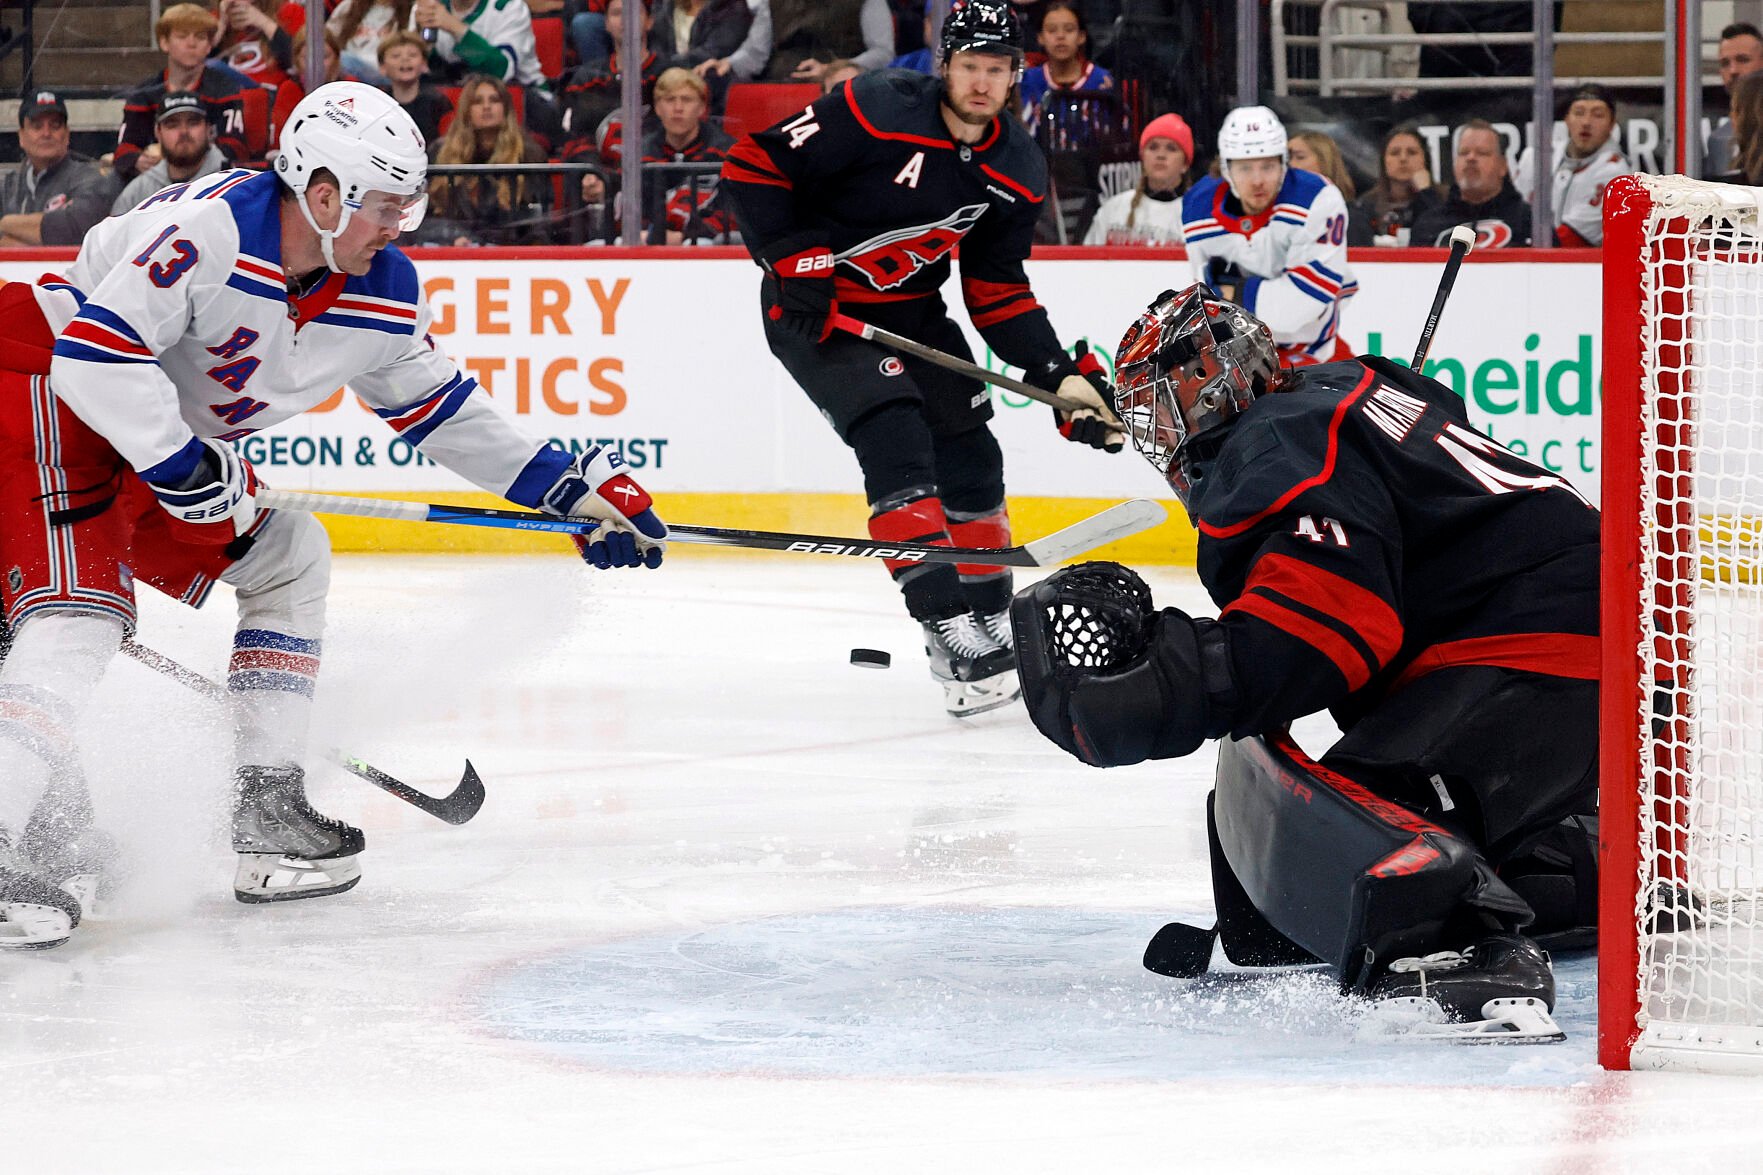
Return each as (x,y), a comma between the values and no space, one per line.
(1680,961)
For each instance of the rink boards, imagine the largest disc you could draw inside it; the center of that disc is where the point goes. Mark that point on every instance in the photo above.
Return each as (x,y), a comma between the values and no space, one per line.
(659,353)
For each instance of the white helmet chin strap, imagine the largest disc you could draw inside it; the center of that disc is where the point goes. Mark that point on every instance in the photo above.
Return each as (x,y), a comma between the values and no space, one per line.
(326,237)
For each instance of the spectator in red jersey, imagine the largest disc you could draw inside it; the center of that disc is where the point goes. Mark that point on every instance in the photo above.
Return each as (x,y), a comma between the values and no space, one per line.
(403,59)
(481,209)
(692,214)
(361,25)
(1065,39)
(186,34)
(253,43)
(592,92)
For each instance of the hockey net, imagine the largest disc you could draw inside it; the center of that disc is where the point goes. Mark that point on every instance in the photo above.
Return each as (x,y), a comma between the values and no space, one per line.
(1681,909)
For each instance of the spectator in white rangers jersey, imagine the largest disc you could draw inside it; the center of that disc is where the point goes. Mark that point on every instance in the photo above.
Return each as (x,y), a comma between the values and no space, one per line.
(1583,166)
(225,306)
(1272,239)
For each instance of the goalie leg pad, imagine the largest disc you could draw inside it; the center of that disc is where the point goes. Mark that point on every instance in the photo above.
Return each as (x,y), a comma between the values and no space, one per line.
(1347,875)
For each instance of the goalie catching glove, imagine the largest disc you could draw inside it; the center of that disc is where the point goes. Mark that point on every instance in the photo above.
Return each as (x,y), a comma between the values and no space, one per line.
(1111,680)
(596,486)
(208,489)
(1095,424)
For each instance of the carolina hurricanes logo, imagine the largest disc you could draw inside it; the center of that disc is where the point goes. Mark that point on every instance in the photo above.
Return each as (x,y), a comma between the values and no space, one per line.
(892,366)
(888,260)
(1489,234)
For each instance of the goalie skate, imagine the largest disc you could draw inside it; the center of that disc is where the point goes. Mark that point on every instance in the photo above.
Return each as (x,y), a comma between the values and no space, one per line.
(286,849)
(976,671)
(1498,991)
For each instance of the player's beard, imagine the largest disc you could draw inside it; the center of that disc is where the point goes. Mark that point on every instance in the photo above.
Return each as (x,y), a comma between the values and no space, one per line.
(972,118)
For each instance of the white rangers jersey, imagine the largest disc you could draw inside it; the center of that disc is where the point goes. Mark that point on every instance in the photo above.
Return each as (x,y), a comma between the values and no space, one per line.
(1578,192)
(1291,259)
(184,326)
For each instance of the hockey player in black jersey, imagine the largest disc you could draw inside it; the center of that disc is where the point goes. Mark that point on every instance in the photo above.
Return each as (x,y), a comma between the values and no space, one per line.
(1374,555)
(856,206)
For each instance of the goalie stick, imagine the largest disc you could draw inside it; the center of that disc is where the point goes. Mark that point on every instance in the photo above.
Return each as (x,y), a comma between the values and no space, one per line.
(1116,522)
(1462,241)
(456,807)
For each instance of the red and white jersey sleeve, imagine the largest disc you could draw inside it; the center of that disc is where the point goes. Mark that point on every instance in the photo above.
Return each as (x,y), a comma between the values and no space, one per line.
(1291,258)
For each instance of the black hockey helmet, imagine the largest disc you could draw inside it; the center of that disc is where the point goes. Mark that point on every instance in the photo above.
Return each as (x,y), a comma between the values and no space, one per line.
(1186,368)
(981,26)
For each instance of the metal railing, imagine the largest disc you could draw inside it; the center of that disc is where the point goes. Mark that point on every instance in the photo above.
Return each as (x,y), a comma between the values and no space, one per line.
(551,210)
(1318,51)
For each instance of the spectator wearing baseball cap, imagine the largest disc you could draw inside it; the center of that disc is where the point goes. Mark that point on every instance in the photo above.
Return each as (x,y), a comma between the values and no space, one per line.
(1584,164)
(186,149)
(55,195)
(1150,212)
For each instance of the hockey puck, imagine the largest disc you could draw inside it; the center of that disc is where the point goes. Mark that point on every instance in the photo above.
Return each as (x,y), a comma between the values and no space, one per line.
(871,658)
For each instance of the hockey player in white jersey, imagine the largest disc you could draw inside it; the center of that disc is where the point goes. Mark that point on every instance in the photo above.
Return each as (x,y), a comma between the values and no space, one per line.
(213,310)
(1272,239)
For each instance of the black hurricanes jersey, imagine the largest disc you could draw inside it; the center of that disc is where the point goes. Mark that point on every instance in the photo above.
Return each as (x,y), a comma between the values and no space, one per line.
(1356,532)
(870,171)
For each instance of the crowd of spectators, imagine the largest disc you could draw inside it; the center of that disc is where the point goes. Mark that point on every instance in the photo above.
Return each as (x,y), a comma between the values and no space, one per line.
(485,87)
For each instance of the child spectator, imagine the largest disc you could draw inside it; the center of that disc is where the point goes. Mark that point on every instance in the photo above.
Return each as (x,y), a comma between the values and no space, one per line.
(682,100)
(54,195)
(186,150)
(1315,152)
(1150,214)
(403,59)
(1065,38)
(486,210)
(1403,190)
(1481,196)
(1582,167)
(593,92)
(186,34)
(361,25)
(253,43)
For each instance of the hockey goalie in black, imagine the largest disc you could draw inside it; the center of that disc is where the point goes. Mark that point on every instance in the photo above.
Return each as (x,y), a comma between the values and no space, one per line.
(855,206)
(1374,555)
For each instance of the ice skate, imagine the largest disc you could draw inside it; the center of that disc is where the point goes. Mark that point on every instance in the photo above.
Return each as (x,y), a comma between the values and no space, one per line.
(977,673)
(35,913)
(66,850)
(997,626)
(1498,991)
(287,850)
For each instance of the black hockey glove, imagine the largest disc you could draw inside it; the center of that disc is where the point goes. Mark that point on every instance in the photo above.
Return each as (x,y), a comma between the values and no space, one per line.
(799,296)
(1096,425)
(1112,681)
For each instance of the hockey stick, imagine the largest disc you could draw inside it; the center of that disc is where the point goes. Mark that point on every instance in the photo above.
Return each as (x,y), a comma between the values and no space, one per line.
(458,806)
(1462,241)
(876,334)
(1115,522)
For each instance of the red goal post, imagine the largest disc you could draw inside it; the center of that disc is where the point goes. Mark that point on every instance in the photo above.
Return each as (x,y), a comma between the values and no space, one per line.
(1680,960)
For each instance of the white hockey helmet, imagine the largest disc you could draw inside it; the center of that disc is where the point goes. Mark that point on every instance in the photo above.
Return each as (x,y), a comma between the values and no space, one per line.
(1251,132)
(366,140)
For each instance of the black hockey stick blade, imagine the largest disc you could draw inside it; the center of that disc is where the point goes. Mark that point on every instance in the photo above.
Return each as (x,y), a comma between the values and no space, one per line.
(456,807)
(1180,951)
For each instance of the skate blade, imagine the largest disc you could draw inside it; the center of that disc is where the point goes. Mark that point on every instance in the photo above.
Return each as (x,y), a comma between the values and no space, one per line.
(963,699)
(270,877)
(29,926)
(1419,1019)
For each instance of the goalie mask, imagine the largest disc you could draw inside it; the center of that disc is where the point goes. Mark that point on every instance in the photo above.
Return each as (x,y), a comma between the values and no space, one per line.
(1186,368)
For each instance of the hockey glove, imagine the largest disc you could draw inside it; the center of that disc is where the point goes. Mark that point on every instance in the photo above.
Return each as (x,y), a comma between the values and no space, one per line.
(631,534)
(1096,425)
(800,296)
(215,502)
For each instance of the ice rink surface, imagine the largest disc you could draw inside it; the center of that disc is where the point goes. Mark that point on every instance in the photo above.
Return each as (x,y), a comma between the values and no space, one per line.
(732,905)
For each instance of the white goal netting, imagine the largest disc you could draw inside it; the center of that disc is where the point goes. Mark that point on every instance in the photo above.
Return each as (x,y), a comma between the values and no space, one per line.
(1699,894)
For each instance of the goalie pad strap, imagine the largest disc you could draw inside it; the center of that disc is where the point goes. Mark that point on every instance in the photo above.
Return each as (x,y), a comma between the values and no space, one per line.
(1353,878)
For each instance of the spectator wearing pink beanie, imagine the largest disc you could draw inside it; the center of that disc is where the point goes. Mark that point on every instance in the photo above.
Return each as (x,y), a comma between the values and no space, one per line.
(1150,213)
